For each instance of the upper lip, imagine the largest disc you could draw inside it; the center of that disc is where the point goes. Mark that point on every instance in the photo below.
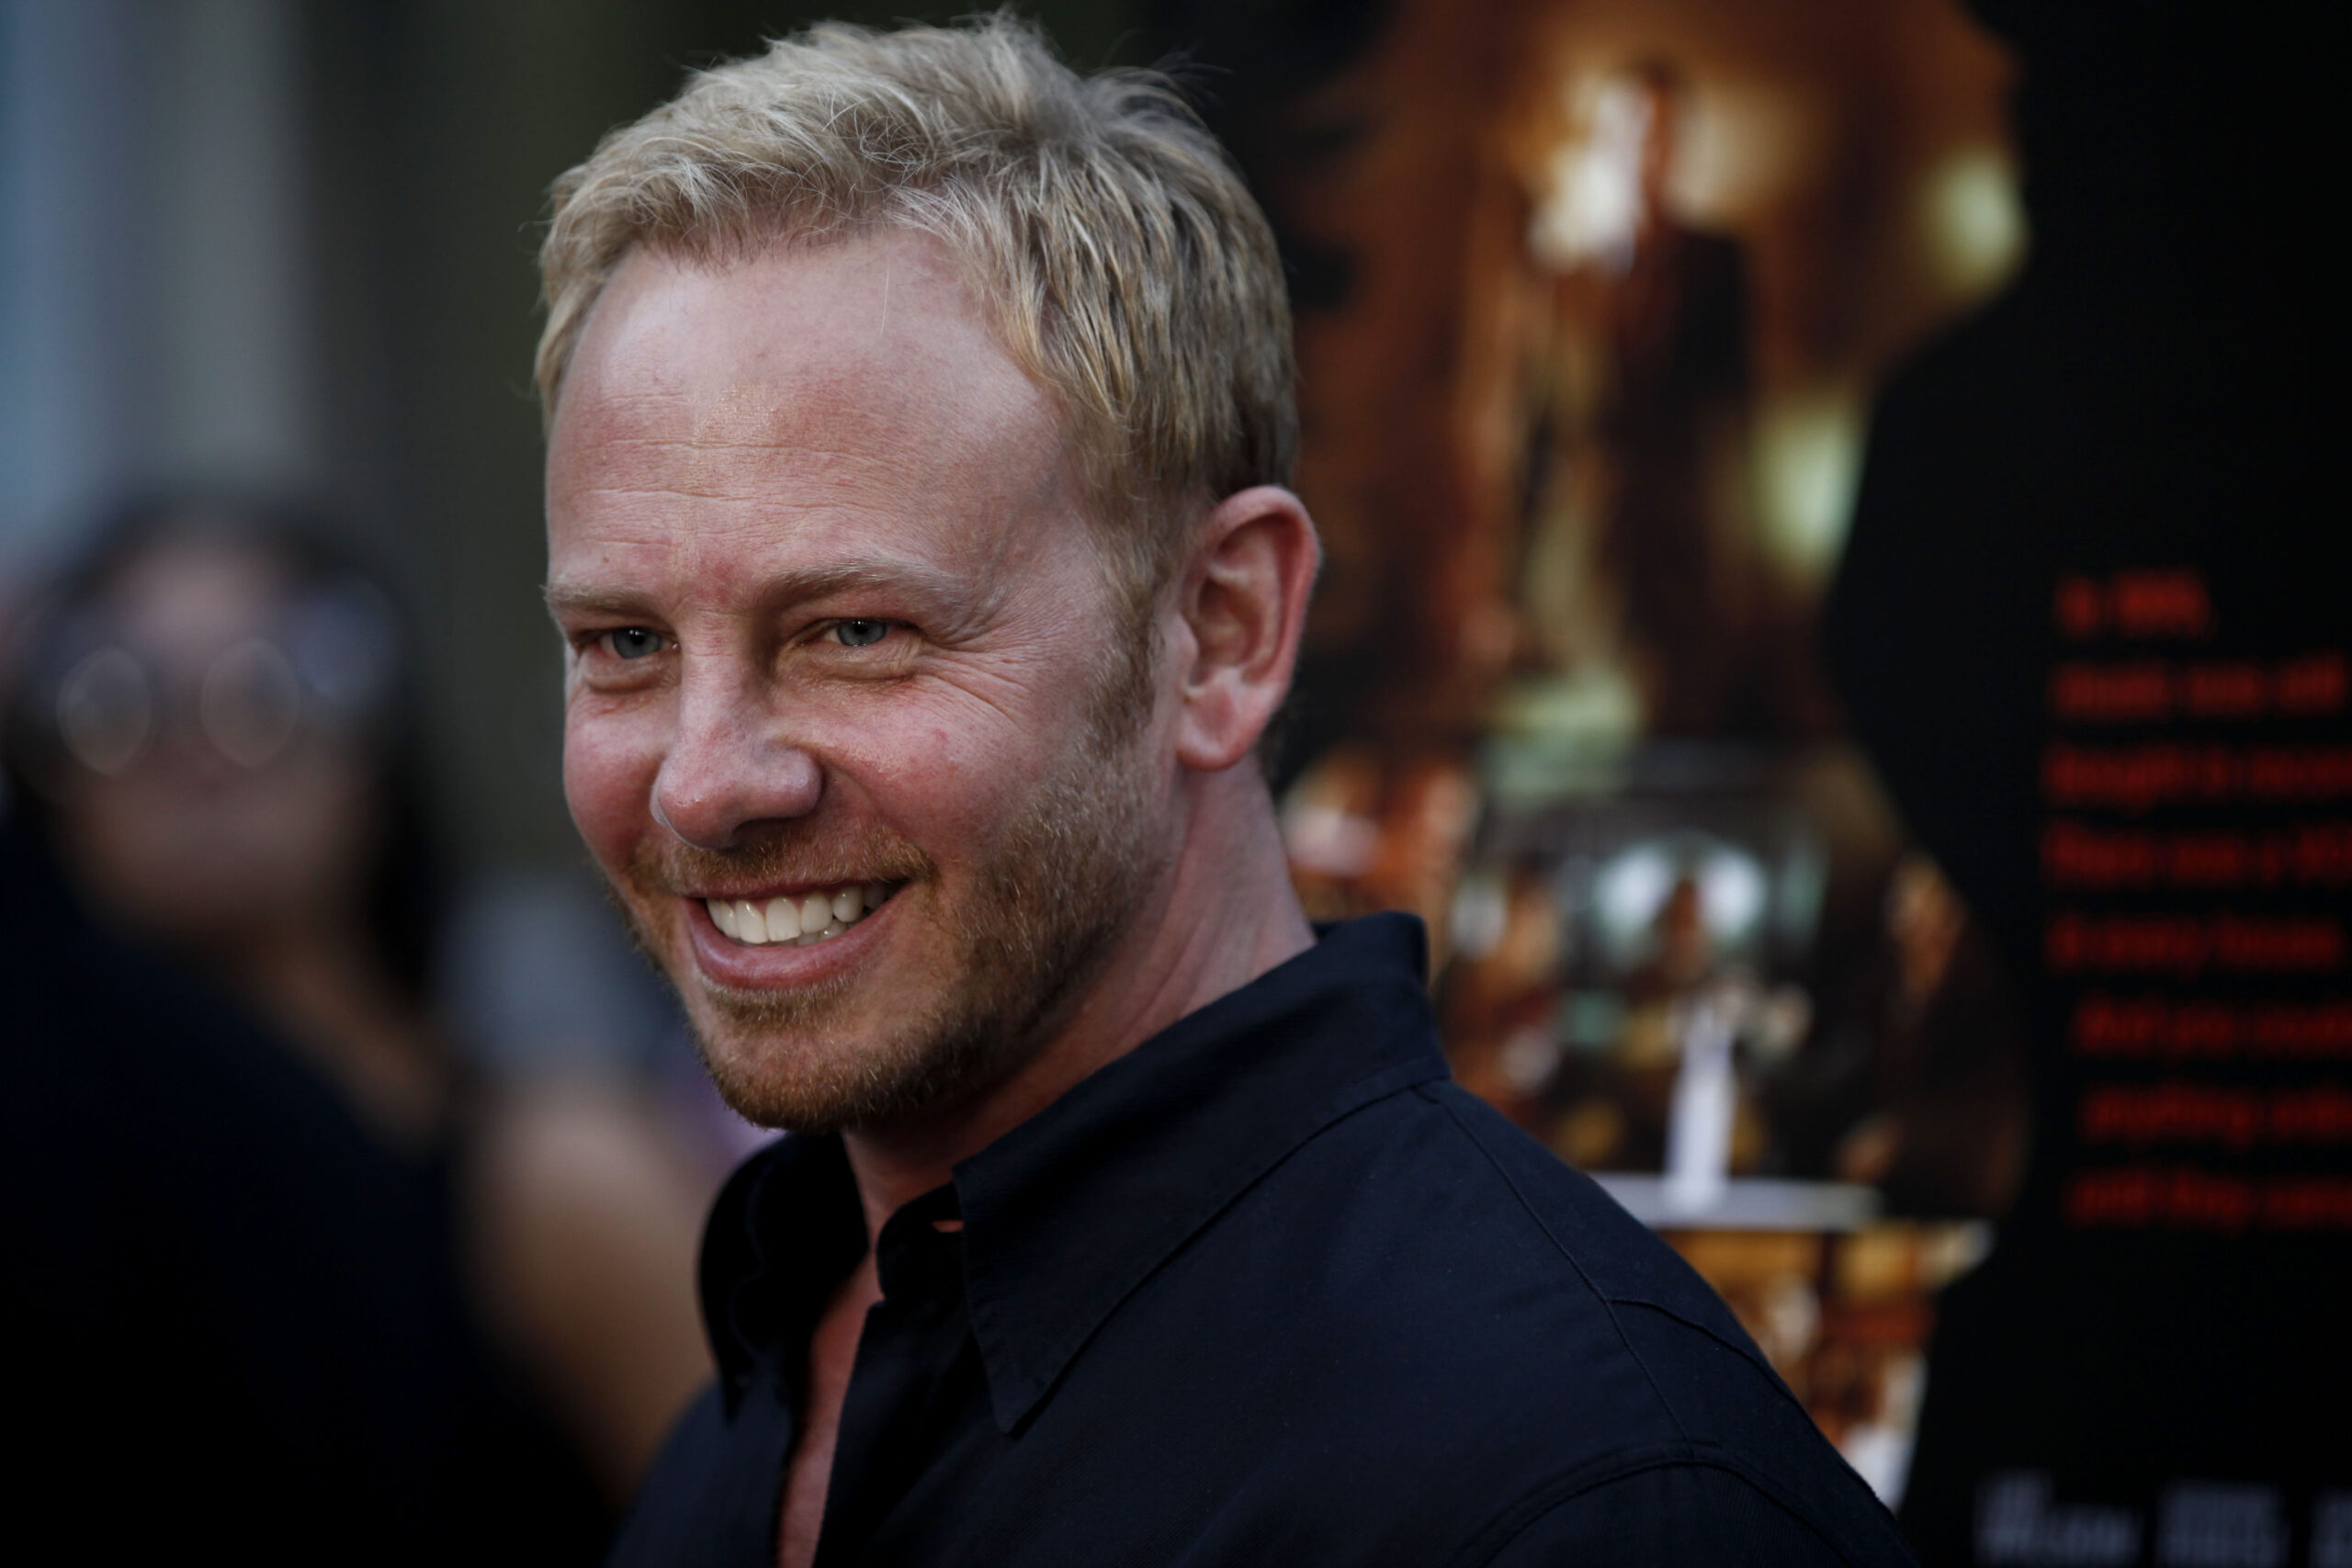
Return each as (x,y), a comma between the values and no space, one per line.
(787,889)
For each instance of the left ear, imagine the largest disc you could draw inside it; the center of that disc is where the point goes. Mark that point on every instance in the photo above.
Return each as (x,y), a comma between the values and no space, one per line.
(1242,598)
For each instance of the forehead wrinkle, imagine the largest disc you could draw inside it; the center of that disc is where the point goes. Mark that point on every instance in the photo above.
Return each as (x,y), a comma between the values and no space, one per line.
(730,490)
(805,439)
(634,478)
(643,498)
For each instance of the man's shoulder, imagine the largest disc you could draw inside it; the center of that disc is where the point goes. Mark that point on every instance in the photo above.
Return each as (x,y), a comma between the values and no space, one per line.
(1550,1210)
(1447,1190)
(1488,1311)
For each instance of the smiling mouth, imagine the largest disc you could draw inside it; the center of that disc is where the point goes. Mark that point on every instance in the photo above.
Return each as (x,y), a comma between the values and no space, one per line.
(799,919)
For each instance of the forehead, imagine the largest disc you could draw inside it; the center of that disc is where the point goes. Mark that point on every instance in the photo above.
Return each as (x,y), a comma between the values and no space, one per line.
(796,398)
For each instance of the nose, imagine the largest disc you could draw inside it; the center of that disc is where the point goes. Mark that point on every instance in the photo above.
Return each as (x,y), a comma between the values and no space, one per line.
(731,763)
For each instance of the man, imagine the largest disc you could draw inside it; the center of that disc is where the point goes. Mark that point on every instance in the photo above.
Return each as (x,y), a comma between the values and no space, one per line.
(919,418)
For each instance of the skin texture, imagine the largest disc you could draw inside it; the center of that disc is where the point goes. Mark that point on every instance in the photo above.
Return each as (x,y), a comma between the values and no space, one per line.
(747,459)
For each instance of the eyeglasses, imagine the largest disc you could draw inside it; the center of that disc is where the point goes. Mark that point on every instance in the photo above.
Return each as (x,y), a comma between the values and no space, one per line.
(327,665)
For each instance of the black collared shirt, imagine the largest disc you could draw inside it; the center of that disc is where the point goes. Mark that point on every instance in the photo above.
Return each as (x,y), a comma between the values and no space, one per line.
(1267,1290)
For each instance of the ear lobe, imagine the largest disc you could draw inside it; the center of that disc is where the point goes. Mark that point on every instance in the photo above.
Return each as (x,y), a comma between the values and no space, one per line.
(1243,599)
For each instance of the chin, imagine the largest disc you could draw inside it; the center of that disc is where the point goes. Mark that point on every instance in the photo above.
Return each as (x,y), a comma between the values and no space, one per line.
(801,1062)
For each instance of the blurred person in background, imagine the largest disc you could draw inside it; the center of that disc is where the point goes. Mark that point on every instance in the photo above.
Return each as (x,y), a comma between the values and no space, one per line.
(598,1144)
(1916,1083)
(252,1198)
(1646,553)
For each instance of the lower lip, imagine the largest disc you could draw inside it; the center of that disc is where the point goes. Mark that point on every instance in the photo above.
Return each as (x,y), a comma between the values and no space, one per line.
(777,966)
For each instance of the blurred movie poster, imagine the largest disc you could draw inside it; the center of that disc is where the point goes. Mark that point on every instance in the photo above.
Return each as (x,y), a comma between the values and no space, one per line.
(2091,623)
(1592,298)
(1836,857)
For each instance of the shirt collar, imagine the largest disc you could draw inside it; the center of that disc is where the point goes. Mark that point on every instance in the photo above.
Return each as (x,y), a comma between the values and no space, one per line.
(1067,1213)
(786,1228)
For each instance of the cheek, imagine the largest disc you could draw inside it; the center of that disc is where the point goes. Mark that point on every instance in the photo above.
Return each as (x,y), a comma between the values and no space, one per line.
(948,773)
(609,763)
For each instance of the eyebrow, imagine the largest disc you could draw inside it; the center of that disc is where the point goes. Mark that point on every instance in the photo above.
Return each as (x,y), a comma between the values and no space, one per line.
(577,597)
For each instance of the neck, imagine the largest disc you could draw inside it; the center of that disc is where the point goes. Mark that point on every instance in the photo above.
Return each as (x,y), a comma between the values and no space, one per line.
(1221,915)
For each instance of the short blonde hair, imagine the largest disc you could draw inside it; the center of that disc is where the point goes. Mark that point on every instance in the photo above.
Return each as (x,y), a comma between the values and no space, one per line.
(1131,272)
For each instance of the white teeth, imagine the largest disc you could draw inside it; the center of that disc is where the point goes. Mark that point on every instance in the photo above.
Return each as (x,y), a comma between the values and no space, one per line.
(812,917)
(784,920)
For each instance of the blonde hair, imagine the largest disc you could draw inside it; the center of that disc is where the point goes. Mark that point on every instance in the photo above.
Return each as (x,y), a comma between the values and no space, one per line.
(1130,271)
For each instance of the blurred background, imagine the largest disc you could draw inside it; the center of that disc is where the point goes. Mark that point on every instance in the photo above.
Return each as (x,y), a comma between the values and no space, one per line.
(1789,473)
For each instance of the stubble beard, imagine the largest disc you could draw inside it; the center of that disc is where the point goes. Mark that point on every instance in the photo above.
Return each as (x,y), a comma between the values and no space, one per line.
(1041,912)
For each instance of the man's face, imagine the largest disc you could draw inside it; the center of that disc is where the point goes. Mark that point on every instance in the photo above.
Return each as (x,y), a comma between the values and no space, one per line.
(842,652)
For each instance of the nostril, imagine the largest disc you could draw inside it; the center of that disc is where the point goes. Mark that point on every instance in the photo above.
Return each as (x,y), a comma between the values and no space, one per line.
(710,797)
(683,818)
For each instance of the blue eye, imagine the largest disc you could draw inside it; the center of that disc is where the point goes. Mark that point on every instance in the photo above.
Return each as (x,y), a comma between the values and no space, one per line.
(860,634)
(633,642)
